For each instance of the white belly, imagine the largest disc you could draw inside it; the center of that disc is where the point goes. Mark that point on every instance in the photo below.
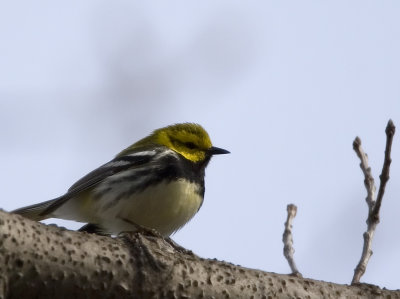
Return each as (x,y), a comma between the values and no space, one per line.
(165,208)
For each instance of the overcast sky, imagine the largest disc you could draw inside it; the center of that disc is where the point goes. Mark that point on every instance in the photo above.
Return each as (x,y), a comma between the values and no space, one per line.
(286,86)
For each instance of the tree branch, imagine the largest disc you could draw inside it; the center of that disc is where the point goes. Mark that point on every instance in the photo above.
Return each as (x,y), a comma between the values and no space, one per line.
(384,177)
(40,261)
(373,206)
(369,181)
(287,239)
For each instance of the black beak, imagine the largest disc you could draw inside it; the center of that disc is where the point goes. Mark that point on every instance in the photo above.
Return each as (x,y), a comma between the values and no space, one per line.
(217,151)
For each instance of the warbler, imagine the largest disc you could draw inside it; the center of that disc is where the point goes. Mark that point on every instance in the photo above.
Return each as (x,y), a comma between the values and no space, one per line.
(157,183)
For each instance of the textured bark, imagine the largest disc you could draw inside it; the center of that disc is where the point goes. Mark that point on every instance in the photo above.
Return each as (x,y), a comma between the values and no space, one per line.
(39,261)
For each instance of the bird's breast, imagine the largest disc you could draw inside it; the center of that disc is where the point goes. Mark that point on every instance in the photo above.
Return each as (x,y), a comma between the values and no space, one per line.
(165,207)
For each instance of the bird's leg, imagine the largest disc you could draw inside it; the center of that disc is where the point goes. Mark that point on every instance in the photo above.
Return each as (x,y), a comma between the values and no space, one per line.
(141,229)
(178,247)
(154,233)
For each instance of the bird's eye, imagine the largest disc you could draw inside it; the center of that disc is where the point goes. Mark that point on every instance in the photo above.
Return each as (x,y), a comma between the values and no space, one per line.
(190,145)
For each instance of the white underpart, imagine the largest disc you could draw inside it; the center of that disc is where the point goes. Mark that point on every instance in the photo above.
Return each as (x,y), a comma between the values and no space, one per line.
(165,207)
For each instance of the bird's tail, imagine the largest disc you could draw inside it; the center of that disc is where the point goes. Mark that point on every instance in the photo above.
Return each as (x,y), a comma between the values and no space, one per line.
(35,212)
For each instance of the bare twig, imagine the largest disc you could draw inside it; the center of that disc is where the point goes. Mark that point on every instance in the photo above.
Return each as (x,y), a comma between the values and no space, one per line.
(384,177)
(373,206)
(369,180)
(287,239)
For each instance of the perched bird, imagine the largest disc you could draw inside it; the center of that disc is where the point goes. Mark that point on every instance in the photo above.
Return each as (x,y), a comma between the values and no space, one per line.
(157,183)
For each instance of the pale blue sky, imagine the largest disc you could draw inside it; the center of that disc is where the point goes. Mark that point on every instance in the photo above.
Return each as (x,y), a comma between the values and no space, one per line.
(285,86)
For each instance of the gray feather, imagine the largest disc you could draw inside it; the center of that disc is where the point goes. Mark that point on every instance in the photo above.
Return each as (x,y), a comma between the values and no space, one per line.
(35,212)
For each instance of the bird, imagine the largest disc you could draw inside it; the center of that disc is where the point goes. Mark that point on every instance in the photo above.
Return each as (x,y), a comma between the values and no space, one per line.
(157,183)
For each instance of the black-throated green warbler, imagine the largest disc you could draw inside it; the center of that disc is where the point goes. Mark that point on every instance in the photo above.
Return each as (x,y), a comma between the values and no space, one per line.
(156,183)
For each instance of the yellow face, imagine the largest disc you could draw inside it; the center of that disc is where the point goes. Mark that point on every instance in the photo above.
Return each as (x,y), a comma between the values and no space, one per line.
(189,140)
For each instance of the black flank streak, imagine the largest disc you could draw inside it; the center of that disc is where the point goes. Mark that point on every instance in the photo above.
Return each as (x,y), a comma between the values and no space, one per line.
(170,168)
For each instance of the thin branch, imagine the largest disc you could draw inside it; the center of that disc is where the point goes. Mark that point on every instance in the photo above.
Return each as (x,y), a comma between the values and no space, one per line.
(369,181)
(287,239)
(384,177)
(373,206)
